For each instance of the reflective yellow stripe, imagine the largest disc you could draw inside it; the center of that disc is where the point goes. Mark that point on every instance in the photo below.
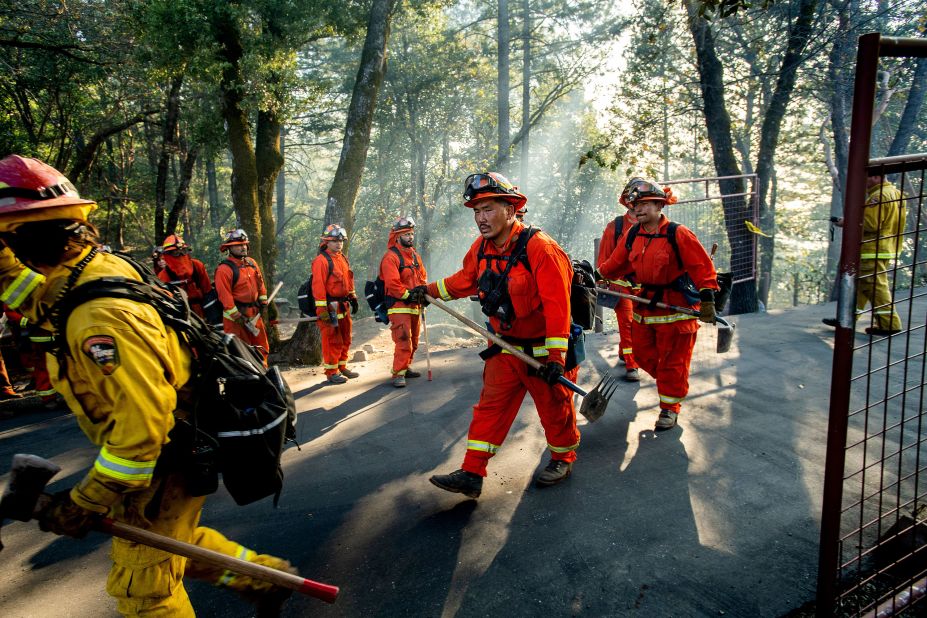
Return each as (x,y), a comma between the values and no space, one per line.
(484,447)
(668,399)
(124,470)
(227,577)
(38,339)
(321,303)
(442,290)
(536,352)
(327,366)
(230,313)
(263,297)
(50,391)
(22,286)
(878,256)
(562,449)
(339,315)
(883,312)
(556,343)
(23,322)
(405,295)
(663,319)
(627,351)
(409,310)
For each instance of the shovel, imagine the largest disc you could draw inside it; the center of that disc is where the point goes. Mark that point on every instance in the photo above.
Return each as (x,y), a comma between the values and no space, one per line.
(594,402)
(725,328)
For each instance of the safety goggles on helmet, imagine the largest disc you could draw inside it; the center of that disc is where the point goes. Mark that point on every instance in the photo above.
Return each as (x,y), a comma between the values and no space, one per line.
(404,223)
(333,231)
(490,182)
(63,188)
(236,236)
(639,189)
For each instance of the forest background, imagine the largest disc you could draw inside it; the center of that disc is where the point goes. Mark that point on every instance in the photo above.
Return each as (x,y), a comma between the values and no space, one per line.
(280,116)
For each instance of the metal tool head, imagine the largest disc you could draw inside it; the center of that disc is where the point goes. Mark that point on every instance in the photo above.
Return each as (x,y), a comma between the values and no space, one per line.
(725,335)
(29,474)
(596,401)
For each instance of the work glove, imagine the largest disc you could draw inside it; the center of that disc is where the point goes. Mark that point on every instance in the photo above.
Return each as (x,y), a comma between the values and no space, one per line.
(550,372)
(324,316)
(235,316)
(353,301)
(417,295)
(707,312)
(62,516)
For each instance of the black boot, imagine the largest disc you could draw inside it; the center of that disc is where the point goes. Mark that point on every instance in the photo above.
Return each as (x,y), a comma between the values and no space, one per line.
(556,471)
(459,481)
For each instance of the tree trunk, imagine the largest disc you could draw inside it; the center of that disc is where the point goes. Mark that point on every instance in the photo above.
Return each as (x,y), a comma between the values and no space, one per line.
(238,129)
(213,190)
(305,344)
(525,92)
(183,191)
(346,184)
(799,35)
(281,203)
(168,149)
(269,161)
(504,37)
(718,127)
(912,108)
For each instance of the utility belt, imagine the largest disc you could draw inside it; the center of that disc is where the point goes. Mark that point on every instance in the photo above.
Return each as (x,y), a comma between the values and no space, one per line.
(536,348)
(241,306)
(682,283)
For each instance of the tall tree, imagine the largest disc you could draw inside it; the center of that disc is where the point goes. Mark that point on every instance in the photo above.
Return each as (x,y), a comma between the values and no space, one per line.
(503,42)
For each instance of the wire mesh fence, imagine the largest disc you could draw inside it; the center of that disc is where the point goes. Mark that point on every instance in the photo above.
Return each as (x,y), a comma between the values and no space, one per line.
(873,553)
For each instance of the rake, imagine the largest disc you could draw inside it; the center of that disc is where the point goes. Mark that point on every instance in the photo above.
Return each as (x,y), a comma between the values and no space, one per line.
(594,401)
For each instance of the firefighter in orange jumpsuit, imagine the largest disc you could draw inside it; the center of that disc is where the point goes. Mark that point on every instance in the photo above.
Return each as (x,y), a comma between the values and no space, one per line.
(333,291)
(184,271)
(624,308)
(401,270)
(242,292)
(663,338)
(120,372)
(32,356)
(530,308)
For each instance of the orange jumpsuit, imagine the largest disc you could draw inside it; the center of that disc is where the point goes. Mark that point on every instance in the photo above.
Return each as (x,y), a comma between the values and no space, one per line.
(335,286)
(33,357)
(541,299)
(242,302)
(664,338)
(190,275)
(403,316)
(624,309)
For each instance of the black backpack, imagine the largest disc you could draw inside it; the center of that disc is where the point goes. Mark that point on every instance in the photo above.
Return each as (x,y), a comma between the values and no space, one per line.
(304,298)
(242,413)
(375,291)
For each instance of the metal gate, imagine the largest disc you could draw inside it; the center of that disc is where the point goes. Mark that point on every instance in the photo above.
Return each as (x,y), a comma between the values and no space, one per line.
(873,551)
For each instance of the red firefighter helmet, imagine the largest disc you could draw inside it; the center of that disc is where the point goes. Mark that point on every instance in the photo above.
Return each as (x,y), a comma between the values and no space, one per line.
(33,191)
(491,185)
(333,231)
(639,189)
(235,237)
(173,242)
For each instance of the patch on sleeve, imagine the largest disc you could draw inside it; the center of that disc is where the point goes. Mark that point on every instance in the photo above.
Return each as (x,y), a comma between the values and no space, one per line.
(101,349)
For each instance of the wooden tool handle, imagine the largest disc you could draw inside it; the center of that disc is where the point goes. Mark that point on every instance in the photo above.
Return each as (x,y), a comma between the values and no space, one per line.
(508,347)
(325,592)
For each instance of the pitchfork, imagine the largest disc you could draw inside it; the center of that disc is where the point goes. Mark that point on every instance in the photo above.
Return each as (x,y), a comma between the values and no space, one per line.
(594,401)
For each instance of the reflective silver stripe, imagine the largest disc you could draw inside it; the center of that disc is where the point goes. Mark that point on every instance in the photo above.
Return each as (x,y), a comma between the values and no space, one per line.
(664,319)
(556,343)
(668,399)
(442,290)
(124,470)
(484,447)
(259,430)
(22,286)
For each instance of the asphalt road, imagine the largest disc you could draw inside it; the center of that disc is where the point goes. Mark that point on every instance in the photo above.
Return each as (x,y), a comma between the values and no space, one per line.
(718,517)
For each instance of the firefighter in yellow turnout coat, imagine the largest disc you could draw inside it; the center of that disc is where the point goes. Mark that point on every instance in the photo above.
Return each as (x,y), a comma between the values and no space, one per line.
(123,375)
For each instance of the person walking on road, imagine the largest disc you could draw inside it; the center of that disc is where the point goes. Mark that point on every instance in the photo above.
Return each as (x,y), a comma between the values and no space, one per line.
(672,267)
(883,237)
(624,308)
(333,291)
(523,278)
(120,370)
(401,270)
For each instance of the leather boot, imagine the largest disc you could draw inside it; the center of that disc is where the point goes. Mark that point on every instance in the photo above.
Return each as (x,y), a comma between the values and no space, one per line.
(556,471)
(666,421)
(459,481)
